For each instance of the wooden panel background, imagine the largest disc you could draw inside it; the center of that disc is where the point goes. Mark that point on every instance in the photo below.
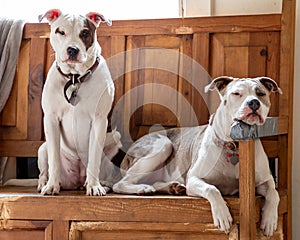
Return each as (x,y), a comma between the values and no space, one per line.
(149,97)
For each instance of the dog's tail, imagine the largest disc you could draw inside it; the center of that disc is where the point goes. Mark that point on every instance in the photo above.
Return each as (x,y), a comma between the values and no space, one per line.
(112,144)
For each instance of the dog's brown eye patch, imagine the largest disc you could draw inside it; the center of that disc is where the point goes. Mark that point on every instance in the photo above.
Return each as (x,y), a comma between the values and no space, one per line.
(260,93)
(87,34)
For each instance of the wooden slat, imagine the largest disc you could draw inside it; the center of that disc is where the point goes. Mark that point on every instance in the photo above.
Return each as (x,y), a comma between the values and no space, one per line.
(168,209)
(60,230)
(134,230)
(270,22)
(36,82)
(200,76)
(19,148)
(20,108)
(287,44)
(247,190)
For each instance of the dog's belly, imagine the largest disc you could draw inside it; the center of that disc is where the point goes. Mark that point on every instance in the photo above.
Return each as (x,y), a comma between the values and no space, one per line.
(224,177)
(73,172)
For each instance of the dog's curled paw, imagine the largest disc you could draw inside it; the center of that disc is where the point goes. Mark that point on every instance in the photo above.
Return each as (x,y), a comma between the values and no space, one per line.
(50,189)
(269,224)
(95,190)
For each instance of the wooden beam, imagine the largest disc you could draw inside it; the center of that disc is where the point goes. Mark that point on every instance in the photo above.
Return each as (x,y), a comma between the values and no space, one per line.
(287,40)
(247,190)
(262,23)
(19,148)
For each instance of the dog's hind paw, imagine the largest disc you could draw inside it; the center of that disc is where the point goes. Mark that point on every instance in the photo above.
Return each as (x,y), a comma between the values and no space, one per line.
(144,189)
(95,190)
(177,188)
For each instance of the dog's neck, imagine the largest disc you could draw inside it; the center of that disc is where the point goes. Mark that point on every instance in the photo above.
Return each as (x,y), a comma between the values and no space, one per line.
(76,79)
(221,124)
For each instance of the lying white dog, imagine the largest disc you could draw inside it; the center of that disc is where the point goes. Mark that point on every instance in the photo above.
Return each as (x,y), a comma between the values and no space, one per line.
(204,158)
(76,100)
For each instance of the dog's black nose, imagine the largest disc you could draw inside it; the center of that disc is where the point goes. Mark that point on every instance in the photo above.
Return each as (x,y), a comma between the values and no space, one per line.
(72,52)
(254,104)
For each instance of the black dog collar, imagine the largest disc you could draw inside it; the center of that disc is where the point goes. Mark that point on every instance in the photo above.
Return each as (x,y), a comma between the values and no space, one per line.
(75,80)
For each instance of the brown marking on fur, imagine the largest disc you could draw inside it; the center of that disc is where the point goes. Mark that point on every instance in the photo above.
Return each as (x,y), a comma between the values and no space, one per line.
(263,96)
(177,189)
(87,35)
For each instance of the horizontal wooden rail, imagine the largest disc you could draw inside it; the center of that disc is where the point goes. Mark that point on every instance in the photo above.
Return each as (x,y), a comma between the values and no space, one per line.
(262,23)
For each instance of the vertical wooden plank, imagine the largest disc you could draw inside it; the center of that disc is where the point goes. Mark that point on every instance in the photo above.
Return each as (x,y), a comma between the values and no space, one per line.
(200,78)
(36,82)
(287,42)
(60,230)
(234,55)
(247,190)
(116,65)
(49,231)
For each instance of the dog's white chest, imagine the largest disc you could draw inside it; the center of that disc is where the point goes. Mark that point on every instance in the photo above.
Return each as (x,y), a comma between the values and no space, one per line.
(224,176)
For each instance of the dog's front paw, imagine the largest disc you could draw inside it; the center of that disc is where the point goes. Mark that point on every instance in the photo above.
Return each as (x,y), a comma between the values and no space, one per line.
(51,188)
(41,183)
(95,189)
(269,222)
(222,217)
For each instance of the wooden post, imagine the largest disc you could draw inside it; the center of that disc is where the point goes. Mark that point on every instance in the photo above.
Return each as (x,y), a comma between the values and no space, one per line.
(247,190)
(287,40)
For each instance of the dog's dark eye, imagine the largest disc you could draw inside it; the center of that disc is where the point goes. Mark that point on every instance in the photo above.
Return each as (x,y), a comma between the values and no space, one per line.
(261,94)
(236,94)
(60,32)
(85,33)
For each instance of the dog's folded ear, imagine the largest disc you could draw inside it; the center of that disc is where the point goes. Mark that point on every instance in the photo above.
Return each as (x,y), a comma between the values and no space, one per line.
(51,15)
(98,18)
(219,83)
(270,84)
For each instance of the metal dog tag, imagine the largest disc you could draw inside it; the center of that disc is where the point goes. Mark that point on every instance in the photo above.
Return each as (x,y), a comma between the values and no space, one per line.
(70,92)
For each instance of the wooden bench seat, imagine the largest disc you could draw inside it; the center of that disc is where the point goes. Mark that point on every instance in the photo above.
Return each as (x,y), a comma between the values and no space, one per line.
(128,216)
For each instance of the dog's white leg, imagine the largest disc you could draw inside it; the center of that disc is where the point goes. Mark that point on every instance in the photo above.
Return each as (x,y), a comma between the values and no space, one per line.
(96,145)
(161,148)
(198,188)
(52,131)
(43,166)
(270,208)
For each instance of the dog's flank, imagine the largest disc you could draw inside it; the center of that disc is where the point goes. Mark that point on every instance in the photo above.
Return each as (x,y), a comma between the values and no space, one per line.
(196,157)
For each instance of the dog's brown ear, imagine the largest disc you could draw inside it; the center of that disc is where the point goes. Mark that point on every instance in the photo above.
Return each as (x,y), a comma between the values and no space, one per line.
(98,18)
(219,84)
(51,15)
(270,84)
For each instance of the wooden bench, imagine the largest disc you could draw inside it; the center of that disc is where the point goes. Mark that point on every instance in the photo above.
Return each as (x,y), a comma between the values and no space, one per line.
(240,46)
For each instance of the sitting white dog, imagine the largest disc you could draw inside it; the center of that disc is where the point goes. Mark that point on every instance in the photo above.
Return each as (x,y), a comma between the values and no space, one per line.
(77,97)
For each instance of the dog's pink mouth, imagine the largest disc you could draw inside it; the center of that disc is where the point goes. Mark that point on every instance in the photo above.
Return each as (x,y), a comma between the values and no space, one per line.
(71,61)
(251,118)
